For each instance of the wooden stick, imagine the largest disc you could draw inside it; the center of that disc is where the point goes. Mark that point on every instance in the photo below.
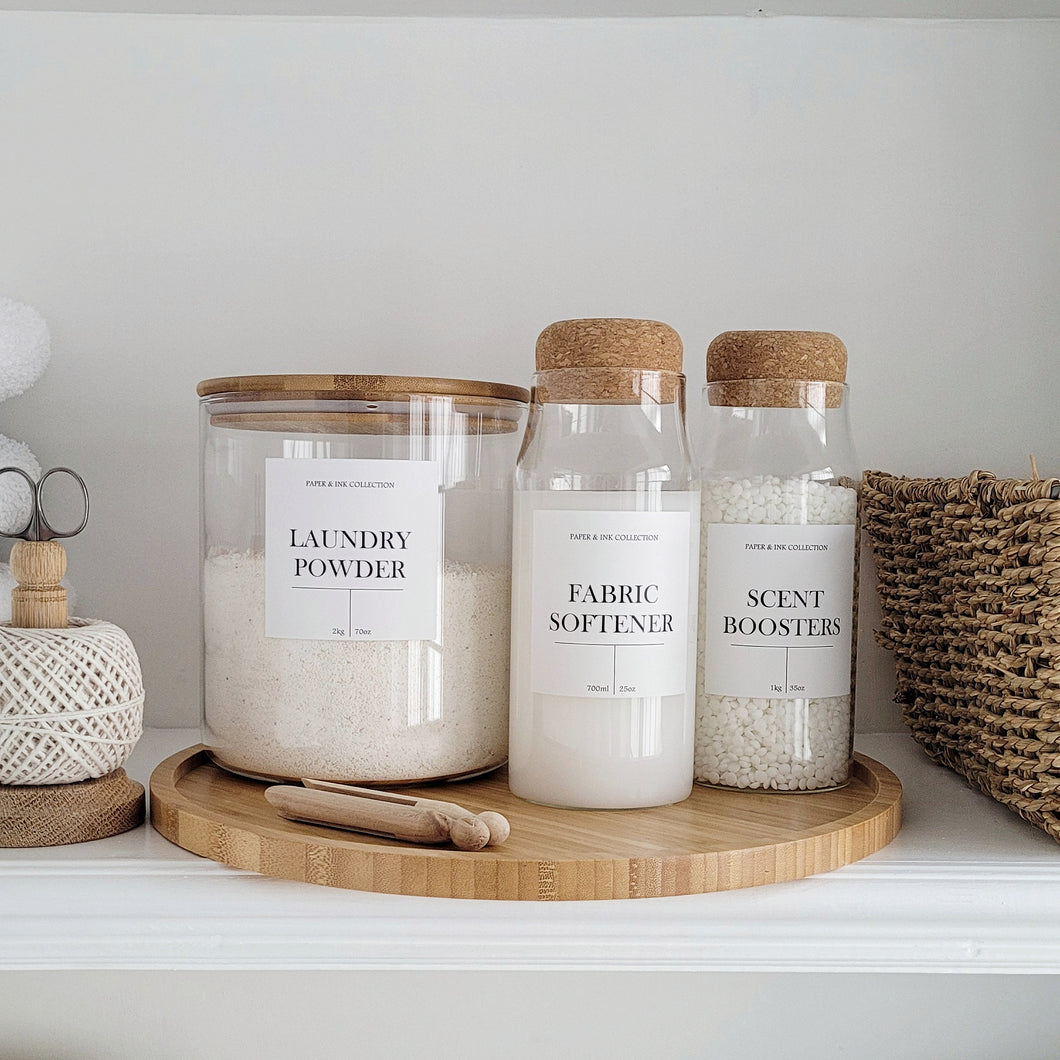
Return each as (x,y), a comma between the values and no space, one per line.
(410,823)
(497,823)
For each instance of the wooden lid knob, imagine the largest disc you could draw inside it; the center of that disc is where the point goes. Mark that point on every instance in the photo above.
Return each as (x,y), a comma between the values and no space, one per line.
(609,342)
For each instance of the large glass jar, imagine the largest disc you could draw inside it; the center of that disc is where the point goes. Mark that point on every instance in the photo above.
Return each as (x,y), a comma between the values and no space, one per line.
(604,572)
(356,575)
(778,603)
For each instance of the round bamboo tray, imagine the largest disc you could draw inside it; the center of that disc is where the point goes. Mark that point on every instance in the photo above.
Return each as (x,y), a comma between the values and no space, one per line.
(713,841)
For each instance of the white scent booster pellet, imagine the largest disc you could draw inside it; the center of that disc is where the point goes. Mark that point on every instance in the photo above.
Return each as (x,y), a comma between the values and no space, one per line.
(776,633)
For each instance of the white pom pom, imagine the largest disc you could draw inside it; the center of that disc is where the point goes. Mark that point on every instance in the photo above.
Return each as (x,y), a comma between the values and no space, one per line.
(25,346)
(7,583)
(16,501)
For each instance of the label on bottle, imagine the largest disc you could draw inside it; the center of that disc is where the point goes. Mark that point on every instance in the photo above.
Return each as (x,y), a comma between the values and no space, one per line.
(609,603)
(352,549)
(778,610)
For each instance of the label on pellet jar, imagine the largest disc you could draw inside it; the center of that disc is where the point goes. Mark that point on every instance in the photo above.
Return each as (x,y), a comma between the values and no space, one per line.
(609,607)
(352,549)
(778,610)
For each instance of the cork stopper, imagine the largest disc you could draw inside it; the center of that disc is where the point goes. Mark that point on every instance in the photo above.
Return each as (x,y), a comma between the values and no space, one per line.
(609,342)
(601,359)
(771,368)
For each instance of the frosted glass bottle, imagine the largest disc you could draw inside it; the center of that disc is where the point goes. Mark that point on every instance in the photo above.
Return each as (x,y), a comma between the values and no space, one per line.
(605,572)
(778,569)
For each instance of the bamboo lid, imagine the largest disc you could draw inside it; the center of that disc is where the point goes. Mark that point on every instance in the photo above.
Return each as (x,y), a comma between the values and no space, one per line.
(771,368)
(299,403)
(355,387)
(609,342)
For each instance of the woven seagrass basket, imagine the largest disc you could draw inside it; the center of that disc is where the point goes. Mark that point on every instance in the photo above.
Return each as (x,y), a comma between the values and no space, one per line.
(969,584)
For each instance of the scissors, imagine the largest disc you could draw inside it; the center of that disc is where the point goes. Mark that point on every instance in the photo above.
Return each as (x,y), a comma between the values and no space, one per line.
(38,528)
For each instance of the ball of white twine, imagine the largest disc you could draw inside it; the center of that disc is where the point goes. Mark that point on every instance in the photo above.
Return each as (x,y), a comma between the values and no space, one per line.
(71,702)
(25,346)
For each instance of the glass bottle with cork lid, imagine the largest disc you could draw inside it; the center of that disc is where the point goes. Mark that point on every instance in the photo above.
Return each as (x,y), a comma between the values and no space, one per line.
(778,568)
(604,573)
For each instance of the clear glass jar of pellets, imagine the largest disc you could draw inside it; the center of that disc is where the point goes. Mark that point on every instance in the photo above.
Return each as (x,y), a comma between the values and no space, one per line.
(356,575)
(778,570)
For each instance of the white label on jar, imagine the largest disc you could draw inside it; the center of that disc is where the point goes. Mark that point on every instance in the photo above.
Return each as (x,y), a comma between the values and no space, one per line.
(609,607)
(778,610)
(352,549)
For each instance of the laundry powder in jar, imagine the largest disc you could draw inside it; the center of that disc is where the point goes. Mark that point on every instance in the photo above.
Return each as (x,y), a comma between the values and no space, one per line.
(292,708)
(777,635)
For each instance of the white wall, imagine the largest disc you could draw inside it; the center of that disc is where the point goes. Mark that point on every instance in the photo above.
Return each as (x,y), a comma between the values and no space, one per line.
(95,1015)
(185,197)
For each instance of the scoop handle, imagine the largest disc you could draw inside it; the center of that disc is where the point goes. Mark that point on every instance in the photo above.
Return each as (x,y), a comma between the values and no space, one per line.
(38,601)
(496,824)
(359,815)
(450,809)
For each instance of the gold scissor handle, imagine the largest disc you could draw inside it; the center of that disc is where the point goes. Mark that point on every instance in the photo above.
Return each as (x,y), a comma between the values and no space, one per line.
(38,528)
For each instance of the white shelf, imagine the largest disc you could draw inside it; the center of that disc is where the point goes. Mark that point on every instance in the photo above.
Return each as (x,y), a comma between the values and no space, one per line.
(966,886)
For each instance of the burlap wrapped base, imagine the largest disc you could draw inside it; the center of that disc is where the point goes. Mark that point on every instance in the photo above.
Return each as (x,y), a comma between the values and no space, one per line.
(969,583)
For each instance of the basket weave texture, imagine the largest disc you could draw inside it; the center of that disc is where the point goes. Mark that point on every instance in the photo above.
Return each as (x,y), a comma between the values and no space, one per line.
(969,584)
(71,702)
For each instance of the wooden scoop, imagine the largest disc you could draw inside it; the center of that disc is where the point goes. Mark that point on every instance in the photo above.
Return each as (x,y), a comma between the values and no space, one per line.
(497,823)
(413,824)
